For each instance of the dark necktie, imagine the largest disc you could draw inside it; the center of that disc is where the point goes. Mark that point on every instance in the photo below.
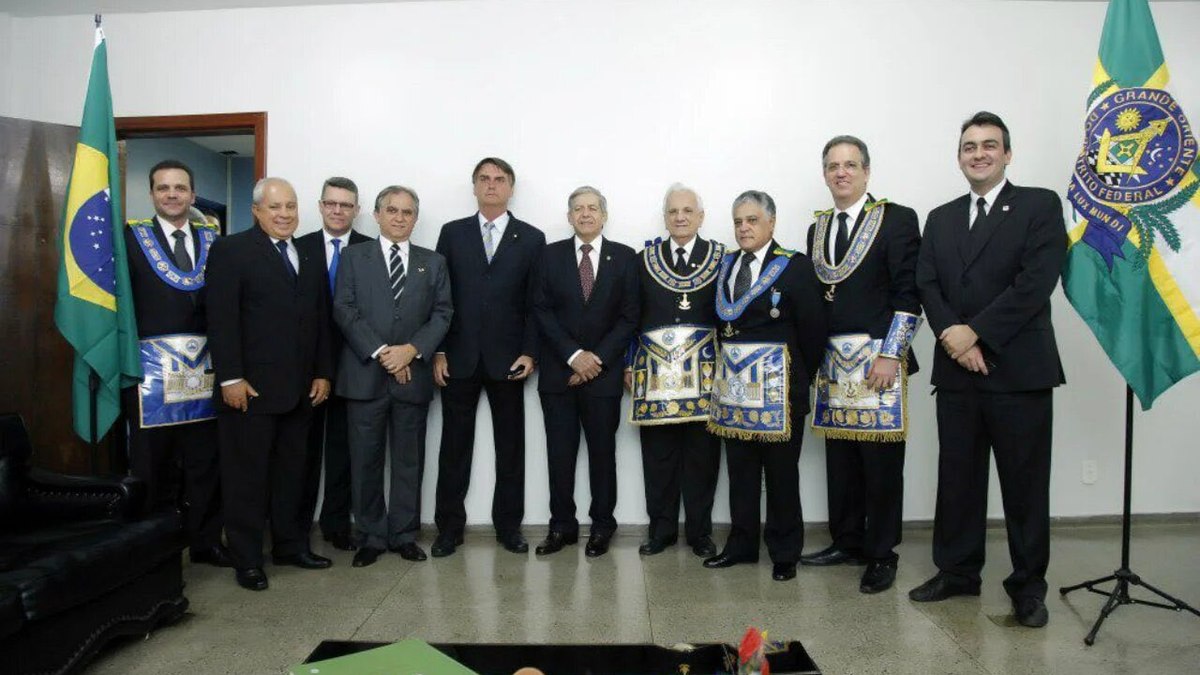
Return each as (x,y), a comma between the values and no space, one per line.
(980,212)
(182,260)
(742,283)
(396,272)
(842,244)
(287,261)
(333,262)
(587,274)
(680,261)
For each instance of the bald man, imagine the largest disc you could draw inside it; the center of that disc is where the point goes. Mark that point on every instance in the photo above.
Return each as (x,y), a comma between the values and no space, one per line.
(269,338)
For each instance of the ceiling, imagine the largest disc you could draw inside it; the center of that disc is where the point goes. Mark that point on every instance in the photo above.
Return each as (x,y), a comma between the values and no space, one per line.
(242,144)
(63,7)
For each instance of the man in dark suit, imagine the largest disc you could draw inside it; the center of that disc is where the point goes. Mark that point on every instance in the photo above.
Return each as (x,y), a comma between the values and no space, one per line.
(865,252)
(670,376)
(393,306)
(271,352)
(176,454)
(989,262)
(773,334)
(492,347)
(586,307)
(327,432)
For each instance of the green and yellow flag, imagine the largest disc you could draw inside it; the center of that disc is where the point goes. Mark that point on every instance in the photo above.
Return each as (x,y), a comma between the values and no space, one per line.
(94,311)
(1133,268)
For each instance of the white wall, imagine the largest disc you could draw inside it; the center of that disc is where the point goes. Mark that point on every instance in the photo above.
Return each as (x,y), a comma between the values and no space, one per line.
(630,96)
(6,50)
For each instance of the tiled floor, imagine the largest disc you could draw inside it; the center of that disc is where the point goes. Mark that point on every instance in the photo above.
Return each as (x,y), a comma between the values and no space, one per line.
(485,594)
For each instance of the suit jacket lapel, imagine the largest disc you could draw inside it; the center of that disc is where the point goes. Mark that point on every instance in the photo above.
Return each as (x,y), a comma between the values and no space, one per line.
(978,238)
(414,270)
(266,249)
(502,243)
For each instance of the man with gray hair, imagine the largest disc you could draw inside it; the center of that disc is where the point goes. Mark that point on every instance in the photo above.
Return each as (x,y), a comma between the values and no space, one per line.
(670,375)
(772,328)
(393,306)
(269,338)
(865,252)
(586,308)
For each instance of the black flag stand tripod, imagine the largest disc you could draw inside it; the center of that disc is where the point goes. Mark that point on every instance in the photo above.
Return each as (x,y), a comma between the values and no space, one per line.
(1123,576)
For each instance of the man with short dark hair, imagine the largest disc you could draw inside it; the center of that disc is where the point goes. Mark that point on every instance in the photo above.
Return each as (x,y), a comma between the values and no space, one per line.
(492,347)
(172,424)
(865,252)
(393,306)
(772,328)
(988,264)
(339,207)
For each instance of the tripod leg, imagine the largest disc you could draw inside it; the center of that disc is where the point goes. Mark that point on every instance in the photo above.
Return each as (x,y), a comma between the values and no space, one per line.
(1180,605)
(1087,584)
(1113,599)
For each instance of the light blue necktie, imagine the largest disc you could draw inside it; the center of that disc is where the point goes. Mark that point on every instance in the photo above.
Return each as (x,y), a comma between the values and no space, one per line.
(489,240)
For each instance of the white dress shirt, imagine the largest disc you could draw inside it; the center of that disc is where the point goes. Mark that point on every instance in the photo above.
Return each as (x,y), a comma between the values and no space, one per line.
(385,245)
(500,222)
(344,238)
(852,214)
(755,267)
(989,200)
(687,250)
(168,231)
(594,254)
(292,254)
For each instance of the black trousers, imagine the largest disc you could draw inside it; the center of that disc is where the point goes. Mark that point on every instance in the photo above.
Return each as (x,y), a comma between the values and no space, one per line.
(680,460)
(866,496)
(328,436)
(262,473)
(380,429)
(460,401)
(748,461)
(1017,428)
(180,466)
(598,416)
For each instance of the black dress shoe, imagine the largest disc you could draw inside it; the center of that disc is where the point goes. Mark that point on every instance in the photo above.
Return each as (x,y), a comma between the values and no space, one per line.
(446,544)
(704,547)
(341,541)
(831,556)
(217,556)
(654,546)
(253,578)
(410,551)
(306,560)
(942,586)
(513,542)
(366,556)
(726,560)
(783,571)
(597,545)
(554,542)
(1031,612)
(878,577)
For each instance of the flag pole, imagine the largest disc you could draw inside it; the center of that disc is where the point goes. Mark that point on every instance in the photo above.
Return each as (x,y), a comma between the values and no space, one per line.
(1125,577)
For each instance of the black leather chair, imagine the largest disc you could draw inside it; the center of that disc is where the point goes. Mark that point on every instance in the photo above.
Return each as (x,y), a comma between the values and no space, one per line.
(80,563)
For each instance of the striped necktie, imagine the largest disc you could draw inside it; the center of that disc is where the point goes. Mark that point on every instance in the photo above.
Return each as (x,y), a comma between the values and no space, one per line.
(396,272)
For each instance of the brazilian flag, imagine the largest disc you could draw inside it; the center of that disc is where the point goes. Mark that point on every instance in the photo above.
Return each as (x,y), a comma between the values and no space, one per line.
(94,310)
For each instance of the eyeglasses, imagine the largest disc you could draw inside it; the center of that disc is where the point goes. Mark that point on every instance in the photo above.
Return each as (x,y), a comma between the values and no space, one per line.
(333,206)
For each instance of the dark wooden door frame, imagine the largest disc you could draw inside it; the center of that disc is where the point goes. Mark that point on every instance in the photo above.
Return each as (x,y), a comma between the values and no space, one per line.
(222,124)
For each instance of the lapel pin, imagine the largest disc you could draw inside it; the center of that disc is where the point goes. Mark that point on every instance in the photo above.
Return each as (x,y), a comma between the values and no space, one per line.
(608,257)
(420,269)
(1004,208)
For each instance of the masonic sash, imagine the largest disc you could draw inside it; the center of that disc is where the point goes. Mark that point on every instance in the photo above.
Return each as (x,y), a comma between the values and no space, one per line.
(750,396)
(830,274)
(177,385)
(163,262)
(673,369)
(844,407)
